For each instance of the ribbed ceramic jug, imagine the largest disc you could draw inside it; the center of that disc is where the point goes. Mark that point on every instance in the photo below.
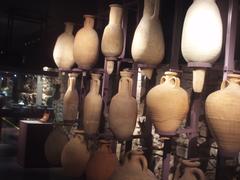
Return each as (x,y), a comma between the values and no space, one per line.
(165,113)
(102,163)
(223,115)
(202,37)
(75,155)
(92,106)
(63,49)
(86,44)
(112,40)
(148,42)
(123,109)
(54,145)
(71,99)
(191,171)
(135,167)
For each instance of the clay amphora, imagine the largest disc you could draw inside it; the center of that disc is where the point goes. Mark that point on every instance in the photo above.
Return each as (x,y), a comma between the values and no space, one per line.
(75,155)
(191,172)
(165,113)
(86,44)
(202,37)
(123,109)
(54,145)
(102,163)
(112,40)
(92,106)
(71,99)
(223,115)
(135,167)
(148,42)
(63,49)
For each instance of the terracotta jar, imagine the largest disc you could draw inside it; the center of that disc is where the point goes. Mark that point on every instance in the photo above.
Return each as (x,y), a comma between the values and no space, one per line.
(71,99)
(148,42)
(63,49)
(92,106)
(86,44)
(123,109)
(191,172)
(112,40)
(54,145)
(223,116)
(75,155)
(135,167)
(102,163)
(165,113)
(202,37)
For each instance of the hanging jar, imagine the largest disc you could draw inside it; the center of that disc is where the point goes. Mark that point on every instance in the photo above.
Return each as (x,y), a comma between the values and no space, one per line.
(135,166)
(112,40)
(71,99)
(190,172)
(102,163)
(75,155)
(165,113)
(201,38)
(63,49)
(54,145)
(92,106)
(86,44)
(148,42)
(123,108)
(223,116)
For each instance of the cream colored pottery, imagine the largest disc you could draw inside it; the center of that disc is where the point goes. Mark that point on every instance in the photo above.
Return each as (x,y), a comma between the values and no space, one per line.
(202,36)
(75,155)
(92,106)
(112,40)
(223,115)
(168,104)
(102,163)
(191,172)
(54,145)
(123,109)
(63,49)
(86,44)
(148,42)
(71,99)
(135,167)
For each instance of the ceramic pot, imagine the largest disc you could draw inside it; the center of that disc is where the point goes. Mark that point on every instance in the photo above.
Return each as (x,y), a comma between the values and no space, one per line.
(54,145)
(223,117)
(191,172)
(202,37)
(135,167)
(148,41)
(112,40)
(102,163)
(165,113)
(86,44)
(123,109)
(63,49)
(71,99)
(92,106)
(75,155)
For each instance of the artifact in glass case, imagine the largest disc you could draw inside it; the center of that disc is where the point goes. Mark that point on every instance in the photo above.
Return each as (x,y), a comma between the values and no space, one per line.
(168,104)
(202,37)
(86,44)
(92,106)
(63,49)
(123,108)
(148,42)
(223,115)
(112,40)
